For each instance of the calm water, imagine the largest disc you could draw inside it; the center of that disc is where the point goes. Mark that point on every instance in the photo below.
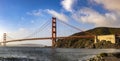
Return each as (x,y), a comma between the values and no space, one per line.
(48,54)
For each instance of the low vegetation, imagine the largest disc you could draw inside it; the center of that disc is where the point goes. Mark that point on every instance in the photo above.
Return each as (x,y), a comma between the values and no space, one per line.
(106,57)
(89,42)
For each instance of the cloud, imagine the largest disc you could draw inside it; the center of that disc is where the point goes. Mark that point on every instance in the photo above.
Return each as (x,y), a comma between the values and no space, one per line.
(109,4)
(108,19)
(68,4)
(59,16)
(87,15)
(45,12)
(36,12)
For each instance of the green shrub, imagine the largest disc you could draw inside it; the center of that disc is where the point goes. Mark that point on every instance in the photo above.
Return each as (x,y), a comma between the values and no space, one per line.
(103,54)
(117,54)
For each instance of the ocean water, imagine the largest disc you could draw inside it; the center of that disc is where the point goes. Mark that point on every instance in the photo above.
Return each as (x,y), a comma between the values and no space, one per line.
(49,54)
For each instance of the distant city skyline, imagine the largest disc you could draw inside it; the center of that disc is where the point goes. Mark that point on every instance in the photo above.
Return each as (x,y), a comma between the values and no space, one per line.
(20,17)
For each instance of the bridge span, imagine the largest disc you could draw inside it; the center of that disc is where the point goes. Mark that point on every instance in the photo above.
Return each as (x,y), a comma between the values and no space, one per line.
(53,36)
(45,38)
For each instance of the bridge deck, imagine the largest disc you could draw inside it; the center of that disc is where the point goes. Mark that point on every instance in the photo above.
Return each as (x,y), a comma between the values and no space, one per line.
(43,38)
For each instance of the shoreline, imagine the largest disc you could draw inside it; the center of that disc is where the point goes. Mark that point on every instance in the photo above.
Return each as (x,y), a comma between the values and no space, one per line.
(106,57)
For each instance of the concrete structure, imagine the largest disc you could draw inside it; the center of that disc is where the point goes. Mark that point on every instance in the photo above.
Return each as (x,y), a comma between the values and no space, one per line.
(111,38)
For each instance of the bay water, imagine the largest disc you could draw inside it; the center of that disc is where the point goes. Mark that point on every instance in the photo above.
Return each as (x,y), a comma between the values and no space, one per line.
(49,54)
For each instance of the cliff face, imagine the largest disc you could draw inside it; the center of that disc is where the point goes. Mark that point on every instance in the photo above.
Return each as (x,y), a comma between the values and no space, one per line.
(88,42)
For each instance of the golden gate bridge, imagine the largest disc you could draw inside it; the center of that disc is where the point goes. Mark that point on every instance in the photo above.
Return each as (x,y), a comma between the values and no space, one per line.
(53,36)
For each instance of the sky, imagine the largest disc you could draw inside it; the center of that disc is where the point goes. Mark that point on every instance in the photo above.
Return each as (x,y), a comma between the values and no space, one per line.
(22,17)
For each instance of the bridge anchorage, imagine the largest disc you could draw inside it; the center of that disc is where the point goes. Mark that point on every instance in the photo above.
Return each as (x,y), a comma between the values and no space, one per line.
(53,35)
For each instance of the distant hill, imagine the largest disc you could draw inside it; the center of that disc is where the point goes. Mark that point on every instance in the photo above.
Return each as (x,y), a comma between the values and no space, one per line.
(100,31)
(86,43)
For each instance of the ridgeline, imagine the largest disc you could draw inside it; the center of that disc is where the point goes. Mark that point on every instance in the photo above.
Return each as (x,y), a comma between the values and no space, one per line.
(89,42)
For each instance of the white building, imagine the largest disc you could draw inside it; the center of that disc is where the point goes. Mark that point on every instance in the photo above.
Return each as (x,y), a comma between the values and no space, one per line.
(111,38)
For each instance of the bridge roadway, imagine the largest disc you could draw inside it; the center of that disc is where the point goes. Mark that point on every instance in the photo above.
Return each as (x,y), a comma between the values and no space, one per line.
(45,38)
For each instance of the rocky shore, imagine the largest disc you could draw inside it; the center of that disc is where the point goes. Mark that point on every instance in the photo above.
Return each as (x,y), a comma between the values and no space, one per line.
(106,57)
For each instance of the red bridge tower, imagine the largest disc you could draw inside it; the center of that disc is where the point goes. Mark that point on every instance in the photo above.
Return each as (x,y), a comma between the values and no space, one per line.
(53,32)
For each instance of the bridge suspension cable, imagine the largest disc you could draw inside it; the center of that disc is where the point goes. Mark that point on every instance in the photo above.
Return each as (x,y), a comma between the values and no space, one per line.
(40,29)
(53,32)
(74,27)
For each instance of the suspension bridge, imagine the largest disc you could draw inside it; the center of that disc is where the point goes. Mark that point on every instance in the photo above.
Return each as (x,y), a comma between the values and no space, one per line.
(53,37)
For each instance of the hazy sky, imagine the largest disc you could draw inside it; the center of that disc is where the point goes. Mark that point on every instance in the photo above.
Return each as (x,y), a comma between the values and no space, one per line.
(21,17)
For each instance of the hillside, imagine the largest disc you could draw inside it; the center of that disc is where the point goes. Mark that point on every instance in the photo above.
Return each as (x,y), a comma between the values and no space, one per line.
(88,43)
(100,31)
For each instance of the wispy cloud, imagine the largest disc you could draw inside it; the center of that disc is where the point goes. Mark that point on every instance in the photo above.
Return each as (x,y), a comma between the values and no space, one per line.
(91,16)
(36,12)
(87,15)
(109,4)
(59,16)
(68,4)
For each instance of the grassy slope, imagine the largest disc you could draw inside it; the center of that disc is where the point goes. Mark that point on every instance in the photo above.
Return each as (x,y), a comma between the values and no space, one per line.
(86,43)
